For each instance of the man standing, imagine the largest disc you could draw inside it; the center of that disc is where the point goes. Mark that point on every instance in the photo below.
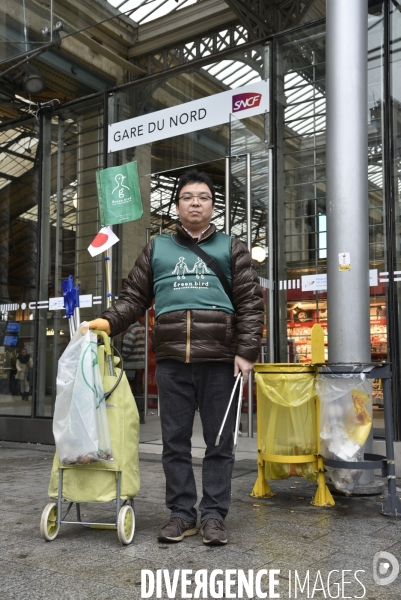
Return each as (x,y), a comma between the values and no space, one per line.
(202,339)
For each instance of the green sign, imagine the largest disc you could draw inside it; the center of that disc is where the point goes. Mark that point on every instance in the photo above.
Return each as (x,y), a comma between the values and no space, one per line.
(119,194)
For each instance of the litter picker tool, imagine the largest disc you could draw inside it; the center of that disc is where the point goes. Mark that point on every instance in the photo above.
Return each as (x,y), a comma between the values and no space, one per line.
(238,419)
(239,377)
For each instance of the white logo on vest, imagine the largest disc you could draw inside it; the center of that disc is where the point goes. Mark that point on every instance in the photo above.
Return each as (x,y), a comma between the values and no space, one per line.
(199,269)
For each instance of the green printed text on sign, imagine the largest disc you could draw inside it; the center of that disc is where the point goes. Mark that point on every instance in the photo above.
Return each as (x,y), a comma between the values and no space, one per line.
(119,194)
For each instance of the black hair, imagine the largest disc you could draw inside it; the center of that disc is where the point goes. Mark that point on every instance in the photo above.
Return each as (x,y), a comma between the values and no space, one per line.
(194,176)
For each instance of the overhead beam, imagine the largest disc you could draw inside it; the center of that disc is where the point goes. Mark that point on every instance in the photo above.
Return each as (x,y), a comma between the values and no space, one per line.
(97,17)
(207,47)
(264,17)
(7,176)
(102,42)
(307,5)
(106,53)
(12,141)
(17,154)
(255,24)
(180,25)
(201,30)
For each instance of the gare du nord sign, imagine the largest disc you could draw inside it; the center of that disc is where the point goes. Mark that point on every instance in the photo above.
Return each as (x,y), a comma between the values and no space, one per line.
(246,101)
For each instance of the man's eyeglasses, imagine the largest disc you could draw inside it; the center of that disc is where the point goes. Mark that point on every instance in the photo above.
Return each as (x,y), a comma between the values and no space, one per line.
(201,197)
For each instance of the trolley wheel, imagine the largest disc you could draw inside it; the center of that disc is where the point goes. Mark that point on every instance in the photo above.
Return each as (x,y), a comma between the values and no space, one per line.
(49,527)
(126,525)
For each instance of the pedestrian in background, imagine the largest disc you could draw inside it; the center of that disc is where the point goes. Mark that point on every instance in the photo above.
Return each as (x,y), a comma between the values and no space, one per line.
(133,353)
(24,364)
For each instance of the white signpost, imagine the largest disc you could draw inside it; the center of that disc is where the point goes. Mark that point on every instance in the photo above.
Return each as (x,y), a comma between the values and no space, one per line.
(318,283)
(314,282)
(246,101)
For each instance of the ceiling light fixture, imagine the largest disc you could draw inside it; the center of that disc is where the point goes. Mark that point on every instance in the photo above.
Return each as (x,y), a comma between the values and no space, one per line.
(258,254)
(32,80)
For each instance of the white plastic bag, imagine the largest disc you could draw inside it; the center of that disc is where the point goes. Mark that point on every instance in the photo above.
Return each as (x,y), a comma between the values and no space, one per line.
(345,423)
(80,424)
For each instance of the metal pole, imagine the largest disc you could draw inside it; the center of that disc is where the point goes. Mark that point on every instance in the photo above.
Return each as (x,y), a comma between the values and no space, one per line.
(25,27)
(347,181)
(270,291)
(249,244)
(51,19)
(59,495)
(393,505)
(347,186)
(158,397)
(248,202)
(145,387)
(227,228)
(390,187)
(58,249)
(44,265)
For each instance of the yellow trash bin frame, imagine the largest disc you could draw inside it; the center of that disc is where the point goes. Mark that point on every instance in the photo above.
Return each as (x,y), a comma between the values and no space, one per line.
(261,488)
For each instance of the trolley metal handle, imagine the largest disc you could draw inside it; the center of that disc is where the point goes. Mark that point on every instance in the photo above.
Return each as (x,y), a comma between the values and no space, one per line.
(106,340)
(107,394)
(107,348)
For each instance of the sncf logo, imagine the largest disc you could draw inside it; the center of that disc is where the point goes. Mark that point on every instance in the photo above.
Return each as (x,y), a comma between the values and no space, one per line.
(247,100)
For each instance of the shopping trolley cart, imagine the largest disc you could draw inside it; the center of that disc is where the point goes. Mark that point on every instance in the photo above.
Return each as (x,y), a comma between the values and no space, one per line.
(110,481)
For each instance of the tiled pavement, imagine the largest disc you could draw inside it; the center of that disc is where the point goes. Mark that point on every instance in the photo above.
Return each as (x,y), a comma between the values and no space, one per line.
(284,533)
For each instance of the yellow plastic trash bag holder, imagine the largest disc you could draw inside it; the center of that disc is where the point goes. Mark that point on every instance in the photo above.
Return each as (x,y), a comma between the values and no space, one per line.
(288,428)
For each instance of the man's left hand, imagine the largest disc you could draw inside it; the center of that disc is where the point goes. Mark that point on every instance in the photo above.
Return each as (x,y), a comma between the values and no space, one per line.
(243,365)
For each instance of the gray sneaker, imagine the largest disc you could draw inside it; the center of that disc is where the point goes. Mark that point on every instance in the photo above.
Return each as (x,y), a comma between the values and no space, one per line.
(176,529)
(214,532)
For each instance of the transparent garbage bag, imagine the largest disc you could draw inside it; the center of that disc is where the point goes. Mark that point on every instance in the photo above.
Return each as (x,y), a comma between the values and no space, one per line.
(80,424)
(287,417)
(345,423)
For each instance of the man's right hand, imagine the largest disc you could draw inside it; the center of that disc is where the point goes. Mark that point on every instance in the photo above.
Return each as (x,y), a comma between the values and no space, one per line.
(101,325)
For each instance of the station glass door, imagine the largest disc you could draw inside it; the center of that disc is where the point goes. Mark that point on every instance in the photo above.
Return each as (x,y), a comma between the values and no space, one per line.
(241,182)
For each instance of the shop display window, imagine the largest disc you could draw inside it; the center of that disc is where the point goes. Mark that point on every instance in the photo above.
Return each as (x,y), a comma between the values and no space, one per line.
(301,318)
(303,314)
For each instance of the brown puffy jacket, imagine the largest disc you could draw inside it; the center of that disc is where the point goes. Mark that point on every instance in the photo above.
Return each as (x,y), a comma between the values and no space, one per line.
(197,335)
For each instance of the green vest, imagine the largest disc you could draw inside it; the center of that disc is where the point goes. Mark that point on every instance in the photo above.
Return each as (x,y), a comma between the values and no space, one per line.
(182,281)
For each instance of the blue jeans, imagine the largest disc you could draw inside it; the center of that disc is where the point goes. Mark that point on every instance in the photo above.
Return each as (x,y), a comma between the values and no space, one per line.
(180,386)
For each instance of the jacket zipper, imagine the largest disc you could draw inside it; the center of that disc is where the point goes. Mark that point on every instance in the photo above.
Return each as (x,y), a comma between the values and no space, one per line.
(188,348)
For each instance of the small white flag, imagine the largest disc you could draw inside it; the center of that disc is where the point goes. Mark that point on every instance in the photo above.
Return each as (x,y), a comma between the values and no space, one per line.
(104,240)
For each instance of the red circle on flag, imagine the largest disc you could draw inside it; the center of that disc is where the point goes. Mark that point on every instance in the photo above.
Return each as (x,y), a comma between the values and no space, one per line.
(99,240)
